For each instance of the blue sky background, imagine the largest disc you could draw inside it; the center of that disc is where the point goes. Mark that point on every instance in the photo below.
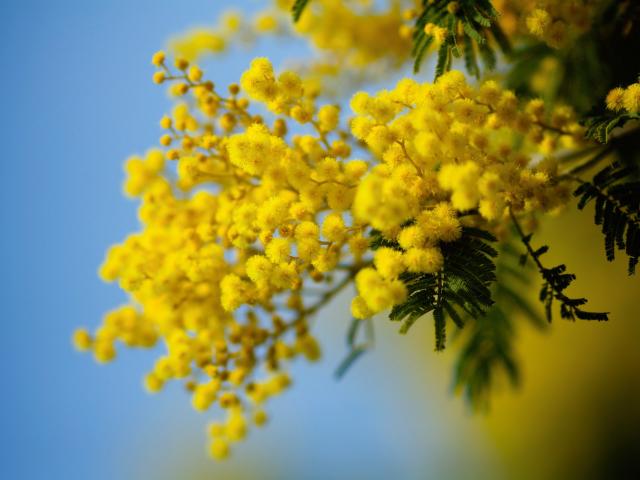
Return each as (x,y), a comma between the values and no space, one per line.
(77,101)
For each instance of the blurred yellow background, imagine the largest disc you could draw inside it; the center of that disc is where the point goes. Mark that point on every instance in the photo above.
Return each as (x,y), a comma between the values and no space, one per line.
(577,414)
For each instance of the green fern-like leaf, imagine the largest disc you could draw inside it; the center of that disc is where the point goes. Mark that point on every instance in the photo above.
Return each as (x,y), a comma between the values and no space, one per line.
(355,347)
(617,209)
(599,127)
(487,350)
(480,33)
(485,354)
(462,287)
(555,281)
(298,8)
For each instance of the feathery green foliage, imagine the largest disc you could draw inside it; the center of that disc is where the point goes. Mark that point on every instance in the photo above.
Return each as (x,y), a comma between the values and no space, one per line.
(617,209)
(555,282)
(487,351)
(461,287)
(356,348)
(479,30)
(488,346)
(298,8)
(599,127)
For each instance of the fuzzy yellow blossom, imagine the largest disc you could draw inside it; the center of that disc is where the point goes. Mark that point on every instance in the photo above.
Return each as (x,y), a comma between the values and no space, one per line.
(82,339)
(423,260)
(356,35)
(615,99)
(358,246)
(377,292)
(333,228)
(266,23)
(159,77)
(308,347)
(204,395)
(359,103)
(384,199)
(259,268)
(195,74)
(232,289)
(198,42)
(328,117)
(158,58)
(557,21)
(259,81)
(631,100)
(388,262)
(412,236)
(219,449)
(438,33)
(260,418)
(153,383)
(463,181)
(627,99)
(278,250)
(251,150)
(359,308)
(538,21)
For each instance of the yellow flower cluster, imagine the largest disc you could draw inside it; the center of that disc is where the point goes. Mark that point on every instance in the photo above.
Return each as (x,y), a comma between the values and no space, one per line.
(451,140)
(627,99)
(232,29)
(447,148)
(439,34)
(354,36)
(355,31)
(124,324)
(348,34)
(558,21)
(217,274)
(241,215)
